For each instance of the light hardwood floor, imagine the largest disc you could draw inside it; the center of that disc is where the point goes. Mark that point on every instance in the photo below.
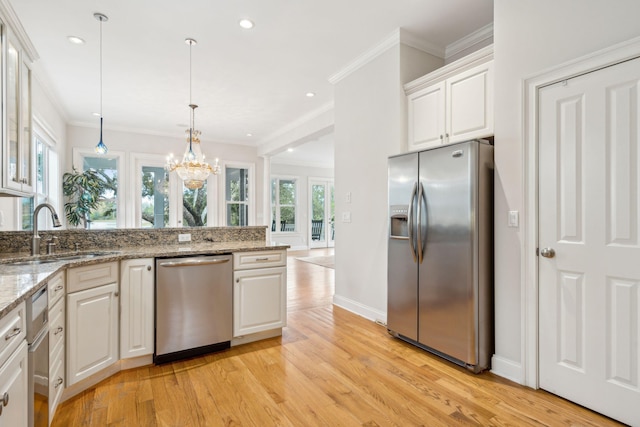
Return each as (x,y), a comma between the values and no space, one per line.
(330,368)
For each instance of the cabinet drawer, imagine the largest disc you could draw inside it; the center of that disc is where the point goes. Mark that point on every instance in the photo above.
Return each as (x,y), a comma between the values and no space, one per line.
(248,260)
(56,288)
(13,330)
(91,276)
(56,326)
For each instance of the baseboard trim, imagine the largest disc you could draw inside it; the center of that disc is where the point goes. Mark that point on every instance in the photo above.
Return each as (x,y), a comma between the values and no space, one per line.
(360,309)
(508,369)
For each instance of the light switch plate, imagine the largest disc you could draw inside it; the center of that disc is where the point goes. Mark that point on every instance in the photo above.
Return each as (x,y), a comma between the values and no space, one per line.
(514,219)
(346,216)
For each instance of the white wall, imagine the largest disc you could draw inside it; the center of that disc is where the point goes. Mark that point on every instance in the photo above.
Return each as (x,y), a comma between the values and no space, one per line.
(370,125)
(299,239)
(129,142)
(531,36)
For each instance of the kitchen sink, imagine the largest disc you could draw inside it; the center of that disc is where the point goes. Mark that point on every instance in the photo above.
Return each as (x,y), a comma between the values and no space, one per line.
(69,257)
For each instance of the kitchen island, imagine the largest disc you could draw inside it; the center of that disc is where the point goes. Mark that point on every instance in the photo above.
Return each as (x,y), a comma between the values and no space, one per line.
(101,300)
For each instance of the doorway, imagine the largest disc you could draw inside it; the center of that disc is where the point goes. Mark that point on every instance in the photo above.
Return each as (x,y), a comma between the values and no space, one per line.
(588,238)
(321,213)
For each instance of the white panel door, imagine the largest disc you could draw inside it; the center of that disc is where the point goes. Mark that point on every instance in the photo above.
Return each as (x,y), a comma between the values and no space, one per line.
(92,327)
(589,205)
(259,300)
(136,307)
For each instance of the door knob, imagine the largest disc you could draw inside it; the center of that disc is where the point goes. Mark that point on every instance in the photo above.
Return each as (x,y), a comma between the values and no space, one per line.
(548,252)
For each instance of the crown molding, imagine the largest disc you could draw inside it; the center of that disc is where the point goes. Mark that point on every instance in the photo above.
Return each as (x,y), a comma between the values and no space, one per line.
(398,36)
(470,40)
(361,60)
(11,19)
(411,40)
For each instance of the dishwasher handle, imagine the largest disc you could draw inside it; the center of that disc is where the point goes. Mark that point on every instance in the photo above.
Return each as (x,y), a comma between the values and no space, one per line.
(194,262)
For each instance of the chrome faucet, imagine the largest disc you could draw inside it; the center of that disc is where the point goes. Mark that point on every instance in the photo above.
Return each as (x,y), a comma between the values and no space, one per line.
(35,240)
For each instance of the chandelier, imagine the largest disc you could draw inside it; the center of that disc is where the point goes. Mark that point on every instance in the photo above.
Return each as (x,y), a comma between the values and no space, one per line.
(192,169)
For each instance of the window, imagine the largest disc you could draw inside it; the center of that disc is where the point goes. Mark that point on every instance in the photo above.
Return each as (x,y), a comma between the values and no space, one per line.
(194,206)
(155,197)
(46,185)
(237,196)
(283,204)
(105,215)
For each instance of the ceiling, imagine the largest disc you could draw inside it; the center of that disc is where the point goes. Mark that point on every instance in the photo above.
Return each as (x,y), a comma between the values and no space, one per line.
(244,81)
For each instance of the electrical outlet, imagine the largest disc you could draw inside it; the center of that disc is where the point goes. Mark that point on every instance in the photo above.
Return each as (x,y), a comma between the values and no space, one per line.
(346,216)
(184,237)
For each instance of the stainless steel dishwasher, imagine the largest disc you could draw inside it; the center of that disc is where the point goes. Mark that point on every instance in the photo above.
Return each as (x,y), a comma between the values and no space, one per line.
(194,306)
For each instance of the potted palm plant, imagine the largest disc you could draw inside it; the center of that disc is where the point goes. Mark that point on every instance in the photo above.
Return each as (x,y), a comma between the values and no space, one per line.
(83,191)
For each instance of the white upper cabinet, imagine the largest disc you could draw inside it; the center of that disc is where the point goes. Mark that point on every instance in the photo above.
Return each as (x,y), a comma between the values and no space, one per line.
(453,103)
(17,170)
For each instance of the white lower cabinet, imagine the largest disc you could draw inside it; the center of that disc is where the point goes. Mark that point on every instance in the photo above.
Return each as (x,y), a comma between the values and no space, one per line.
(259,294)
(14,369)
(14,388)
(92,320)
(136,307)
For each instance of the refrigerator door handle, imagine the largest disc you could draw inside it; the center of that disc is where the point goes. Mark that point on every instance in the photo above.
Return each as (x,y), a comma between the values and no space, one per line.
(420,199)
(411,224)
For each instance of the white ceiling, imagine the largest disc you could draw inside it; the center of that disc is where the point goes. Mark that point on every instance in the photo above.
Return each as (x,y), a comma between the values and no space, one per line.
(244,81)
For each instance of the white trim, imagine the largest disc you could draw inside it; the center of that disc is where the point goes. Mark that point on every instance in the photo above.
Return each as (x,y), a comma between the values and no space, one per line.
(478,36)
(266,194)
(481,56)
(13,22)
(397,37)
(506,368)
(529,261)
(360,309)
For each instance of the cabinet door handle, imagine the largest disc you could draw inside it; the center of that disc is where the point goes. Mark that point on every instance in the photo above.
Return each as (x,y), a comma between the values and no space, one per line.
(60,329)
(58,288)
(148,268)
(58,382)
(262,259)
(5,399)
(117,293)
(12,334)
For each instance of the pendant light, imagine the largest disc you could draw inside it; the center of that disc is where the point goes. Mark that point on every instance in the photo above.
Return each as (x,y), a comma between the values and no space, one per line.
(101,148)
(193,169)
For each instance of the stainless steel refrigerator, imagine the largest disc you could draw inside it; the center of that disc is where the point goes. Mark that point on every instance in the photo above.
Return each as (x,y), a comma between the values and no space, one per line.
(440,271)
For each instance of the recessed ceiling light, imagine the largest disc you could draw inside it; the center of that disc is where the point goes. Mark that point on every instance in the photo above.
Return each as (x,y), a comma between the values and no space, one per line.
(249,134)
(247,24)
(290,150)
(95,114)
(75,40)
(310,94)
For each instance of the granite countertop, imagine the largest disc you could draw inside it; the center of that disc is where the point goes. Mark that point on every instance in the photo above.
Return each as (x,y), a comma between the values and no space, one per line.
(18,282)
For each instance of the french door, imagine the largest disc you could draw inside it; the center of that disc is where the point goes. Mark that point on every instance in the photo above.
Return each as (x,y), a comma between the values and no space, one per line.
(321,213)
(589,240)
